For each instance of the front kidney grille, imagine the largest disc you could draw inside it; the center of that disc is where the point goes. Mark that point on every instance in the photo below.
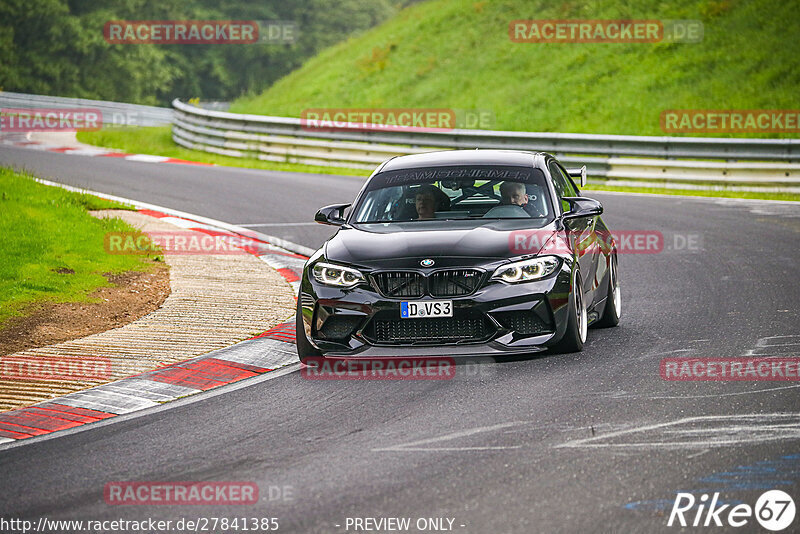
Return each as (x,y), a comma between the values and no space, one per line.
(457,283)
(453,283)
(400,284)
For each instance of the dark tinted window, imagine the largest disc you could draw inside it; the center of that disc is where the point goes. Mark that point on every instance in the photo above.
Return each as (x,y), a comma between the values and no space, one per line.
(562,183)
(455,193)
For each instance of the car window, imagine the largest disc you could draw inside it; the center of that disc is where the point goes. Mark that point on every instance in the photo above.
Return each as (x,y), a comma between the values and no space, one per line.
(571,190)
(562,184)
(454,193)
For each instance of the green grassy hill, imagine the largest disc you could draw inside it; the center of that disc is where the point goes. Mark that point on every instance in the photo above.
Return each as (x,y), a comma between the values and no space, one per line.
(457,54)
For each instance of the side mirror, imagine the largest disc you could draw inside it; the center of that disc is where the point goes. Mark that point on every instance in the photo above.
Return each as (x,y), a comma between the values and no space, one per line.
(579,174)
(582,207)
(333,214)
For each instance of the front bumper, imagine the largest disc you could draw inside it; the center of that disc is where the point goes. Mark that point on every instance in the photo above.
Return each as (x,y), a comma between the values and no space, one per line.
(508,319)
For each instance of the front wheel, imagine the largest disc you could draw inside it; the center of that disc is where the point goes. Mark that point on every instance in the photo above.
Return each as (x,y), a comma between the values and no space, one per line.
(575,336)
(305,350)
(613,308)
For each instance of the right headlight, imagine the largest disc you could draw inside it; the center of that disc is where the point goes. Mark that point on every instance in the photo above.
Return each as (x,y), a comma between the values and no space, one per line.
(336,275)
(527,270)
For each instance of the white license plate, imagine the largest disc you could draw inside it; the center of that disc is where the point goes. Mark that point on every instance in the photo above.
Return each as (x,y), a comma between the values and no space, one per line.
(426,308)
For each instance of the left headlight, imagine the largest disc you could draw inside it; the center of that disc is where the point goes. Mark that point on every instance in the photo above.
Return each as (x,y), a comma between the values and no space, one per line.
(527,270)
(336,275)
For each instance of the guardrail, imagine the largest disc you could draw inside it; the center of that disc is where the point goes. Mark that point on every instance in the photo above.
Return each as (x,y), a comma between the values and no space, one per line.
(114,113)
(655,159)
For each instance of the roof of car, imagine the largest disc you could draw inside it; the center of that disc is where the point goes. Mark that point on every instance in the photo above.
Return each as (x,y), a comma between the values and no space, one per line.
(465,157)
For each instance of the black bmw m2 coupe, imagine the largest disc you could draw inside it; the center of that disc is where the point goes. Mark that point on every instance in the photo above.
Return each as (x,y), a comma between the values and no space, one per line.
(460,253)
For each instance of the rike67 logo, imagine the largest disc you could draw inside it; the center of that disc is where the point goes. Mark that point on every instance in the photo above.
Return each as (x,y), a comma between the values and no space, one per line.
(774,510)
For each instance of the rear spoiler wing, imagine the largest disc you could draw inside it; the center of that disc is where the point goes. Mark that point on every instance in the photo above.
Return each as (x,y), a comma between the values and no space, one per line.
(580,174)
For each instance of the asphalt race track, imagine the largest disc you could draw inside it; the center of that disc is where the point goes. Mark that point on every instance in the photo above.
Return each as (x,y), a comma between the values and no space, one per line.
(588,442)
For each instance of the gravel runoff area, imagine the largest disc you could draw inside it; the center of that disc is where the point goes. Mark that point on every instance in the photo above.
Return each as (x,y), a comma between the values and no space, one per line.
(215,301)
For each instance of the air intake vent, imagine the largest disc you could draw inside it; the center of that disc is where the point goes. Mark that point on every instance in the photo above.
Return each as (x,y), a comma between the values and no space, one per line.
(446,329)
(523,322)
(340,327)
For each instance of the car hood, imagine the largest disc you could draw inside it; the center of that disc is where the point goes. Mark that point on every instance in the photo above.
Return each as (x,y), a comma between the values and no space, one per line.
(461,243)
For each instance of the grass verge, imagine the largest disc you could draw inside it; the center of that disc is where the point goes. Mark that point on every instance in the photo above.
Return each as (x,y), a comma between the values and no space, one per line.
(52,249)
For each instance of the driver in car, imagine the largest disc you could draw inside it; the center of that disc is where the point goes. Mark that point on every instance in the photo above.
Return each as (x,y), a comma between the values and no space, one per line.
(514,193)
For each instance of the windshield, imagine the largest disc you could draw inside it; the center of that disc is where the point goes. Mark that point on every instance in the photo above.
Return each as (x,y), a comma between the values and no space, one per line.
(455,193)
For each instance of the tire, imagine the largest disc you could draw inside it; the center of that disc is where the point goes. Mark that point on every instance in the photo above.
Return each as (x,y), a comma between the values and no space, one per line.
(613,307)
(575,336)
(305,350)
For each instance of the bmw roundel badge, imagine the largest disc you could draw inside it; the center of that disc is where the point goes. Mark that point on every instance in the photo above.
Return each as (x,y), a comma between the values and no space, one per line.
(427,262)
